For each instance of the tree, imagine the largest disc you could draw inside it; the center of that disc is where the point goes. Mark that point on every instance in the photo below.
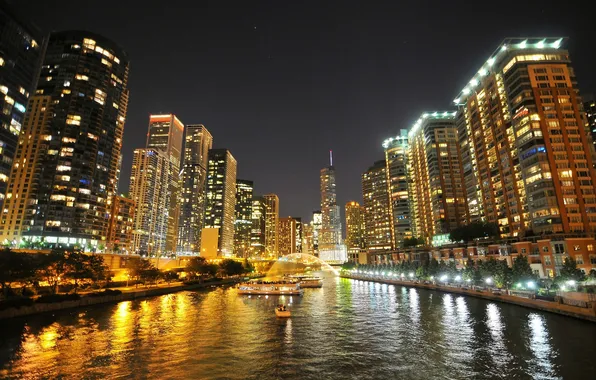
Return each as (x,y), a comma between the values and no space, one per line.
(488,268)
(503,274)
(231,267)
(194,266)
(521,272)
(412,242)
(53,268)
(89,246)
(433,267)
(137,268)
(469,270)
(101,247)
(474,230)
(452,271)
(170,276)
(248,268)
(570,272)
(77,267)
(16,267)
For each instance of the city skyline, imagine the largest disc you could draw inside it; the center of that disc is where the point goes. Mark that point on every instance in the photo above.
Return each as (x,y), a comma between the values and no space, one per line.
(197,88)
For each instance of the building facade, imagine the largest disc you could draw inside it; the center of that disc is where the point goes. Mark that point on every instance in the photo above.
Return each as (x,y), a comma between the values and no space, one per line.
(257,231)
(330,234)
(271,225)
(198,141)
(308,239)
(287,236)
(590,110)
(438,198)
(21,51)
(355,227)
(221,198)
(121,225)
(299,232)
(71,166)
(398,180)
(243,222)
(317,224)
(528,162)
(377,214)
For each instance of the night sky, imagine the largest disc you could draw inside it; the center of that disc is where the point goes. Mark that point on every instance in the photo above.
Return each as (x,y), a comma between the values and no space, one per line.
(281,83)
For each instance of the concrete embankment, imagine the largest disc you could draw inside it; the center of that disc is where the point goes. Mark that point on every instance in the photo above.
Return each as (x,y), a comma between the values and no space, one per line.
(88,301)
(586,313)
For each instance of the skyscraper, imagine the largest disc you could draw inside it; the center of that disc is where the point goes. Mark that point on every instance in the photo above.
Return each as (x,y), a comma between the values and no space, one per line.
(438,198)
(221,198)
(271,225)
(590,109)
(64,176)
(307,239)
(243,222)
(355,227)
(150,190)
(377,214)
(527,159)
(21,51)
(298,247)
(257,231)
(165,134)
(121,225)
(317,223)
(198,141)
(287,236)
(396,158)
(331,224)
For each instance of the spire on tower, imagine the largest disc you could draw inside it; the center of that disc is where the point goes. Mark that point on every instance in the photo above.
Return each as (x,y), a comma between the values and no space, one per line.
(330,158)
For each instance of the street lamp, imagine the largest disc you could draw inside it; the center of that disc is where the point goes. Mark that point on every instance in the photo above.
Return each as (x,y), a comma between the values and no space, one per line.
(457,278)
(530,284)
(489,280)
(444,278)
(411,274)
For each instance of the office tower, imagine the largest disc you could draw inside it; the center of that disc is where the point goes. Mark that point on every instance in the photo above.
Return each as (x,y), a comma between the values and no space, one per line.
(221,198)
(149,189)
(331,224)
(396,158)
(64,176)
(437,194)
(287,236)
(317,223)
(271,225)
(526,156)
(307,239)
(257,231)
(590,110)
(165,134)
(377,214)
(121,225)
(355,227)
(198,141)
(243,222)
(21,51)
(298,247)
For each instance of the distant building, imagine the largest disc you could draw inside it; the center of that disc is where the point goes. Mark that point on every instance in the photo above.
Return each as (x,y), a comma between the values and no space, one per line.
(377,216)
(257,231)
(243,222)
(121,225)
(198,141)
(287,236)
(590,109)
(307,239)
(221,198)
(210,242)
(355,226)
(271,225)
(298,220)
(331,224)
(317,224)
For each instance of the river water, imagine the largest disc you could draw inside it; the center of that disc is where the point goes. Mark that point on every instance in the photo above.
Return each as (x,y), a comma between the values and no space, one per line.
(349,329)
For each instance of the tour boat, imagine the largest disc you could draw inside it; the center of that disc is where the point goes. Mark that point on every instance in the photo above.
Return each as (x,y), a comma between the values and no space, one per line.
(281,313)
(270,288)
(308,281)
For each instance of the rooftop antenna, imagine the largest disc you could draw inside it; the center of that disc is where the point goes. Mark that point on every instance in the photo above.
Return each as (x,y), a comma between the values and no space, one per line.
(330,158)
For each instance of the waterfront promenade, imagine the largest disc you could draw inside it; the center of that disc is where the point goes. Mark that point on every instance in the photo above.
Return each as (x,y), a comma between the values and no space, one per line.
(586,312)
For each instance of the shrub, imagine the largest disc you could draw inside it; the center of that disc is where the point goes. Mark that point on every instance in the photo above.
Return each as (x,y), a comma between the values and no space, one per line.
(16,303)
(27,292)
(52,298)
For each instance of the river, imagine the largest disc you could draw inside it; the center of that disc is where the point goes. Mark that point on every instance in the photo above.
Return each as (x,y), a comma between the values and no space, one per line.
(349,329)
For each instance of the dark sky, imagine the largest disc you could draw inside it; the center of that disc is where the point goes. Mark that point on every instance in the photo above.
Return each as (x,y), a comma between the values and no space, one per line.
(280,83)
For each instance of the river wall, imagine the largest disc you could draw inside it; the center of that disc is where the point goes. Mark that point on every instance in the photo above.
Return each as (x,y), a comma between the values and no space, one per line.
(587,310)
(88,301)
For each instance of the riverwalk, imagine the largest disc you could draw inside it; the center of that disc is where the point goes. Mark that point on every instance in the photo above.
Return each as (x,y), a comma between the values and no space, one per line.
(128,293)
(587,312)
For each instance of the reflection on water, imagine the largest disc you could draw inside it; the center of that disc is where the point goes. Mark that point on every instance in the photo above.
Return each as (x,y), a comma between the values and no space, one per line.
(348,329)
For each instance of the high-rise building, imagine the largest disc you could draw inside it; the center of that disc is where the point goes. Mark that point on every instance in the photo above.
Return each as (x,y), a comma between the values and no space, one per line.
(21,51)
(221,198)
(298,247)
(149,189)
(590,109)
(166,134)
(307,239)
(257,232)
(377,214)
(64,172)
(121,225)
(198,141)
(527,158)
(271,225)
(355,227)
(396,158)
(438,199)
(243,222)
(317,224)
(287,236)
(331,224)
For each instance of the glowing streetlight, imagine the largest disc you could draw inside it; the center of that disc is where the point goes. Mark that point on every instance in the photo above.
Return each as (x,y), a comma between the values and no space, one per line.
(444,278)
(457,278)
(489,280)
(411,274)
(468,280)
(571,282)
(531,284)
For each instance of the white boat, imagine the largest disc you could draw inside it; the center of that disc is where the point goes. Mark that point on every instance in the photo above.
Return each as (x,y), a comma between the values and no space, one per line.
(282,312)
(308,281)
(270,288)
